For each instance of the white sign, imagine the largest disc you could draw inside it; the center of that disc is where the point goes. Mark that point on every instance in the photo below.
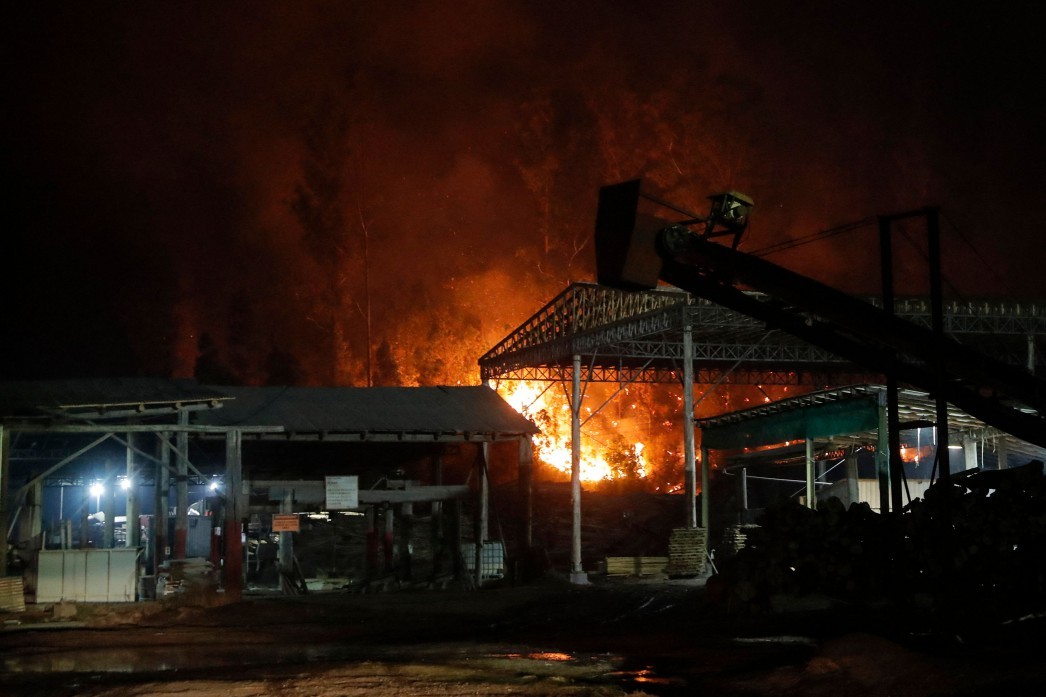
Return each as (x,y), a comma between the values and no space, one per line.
(343,493)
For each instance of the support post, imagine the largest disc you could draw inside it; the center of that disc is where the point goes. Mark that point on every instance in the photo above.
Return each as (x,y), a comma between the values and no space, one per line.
(181,489)
(526,486)
(162,494)
(811,490)
(882,457)
(285,550)
(234,509)
(5,477)
(134,527)
(743,479)
(484,492)
(933,249)
(690,460)
(31,522)
(109,506)
(894,462)
(706,472)
(853,491)
(437,527)
(577,573)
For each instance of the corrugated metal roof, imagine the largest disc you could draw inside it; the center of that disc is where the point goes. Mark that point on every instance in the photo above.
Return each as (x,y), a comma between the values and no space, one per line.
(46,397)
(387,410)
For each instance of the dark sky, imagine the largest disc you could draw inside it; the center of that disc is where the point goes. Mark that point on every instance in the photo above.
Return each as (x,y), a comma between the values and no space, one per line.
(225,191)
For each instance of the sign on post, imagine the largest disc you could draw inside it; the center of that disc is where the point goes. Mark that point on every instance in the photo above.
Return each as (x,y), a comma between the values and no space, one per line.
(342,493)
(285,522)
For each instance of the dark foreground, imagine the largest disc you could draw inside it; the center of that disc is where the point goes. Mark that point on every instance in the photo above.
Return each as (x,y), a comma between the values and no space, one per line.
(548,639)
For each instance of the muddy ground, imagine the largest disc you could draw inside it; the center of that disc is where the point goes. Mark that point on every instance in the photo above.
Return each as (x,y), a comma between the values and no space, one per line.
(549,638)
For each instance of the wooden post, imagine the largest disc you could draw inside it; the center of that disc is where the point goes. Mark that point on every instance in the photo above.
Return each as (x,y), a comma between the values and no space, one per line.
(689,456)
(234,508)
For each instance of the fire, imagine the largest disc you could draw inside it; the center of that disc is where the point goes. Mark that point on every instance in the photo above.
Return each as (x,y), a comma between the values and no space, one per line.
(604,455)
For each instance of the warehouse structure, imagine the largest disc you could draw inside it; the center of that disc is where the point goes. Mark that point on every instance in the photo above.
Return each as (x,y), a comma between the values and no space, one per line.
(218,458)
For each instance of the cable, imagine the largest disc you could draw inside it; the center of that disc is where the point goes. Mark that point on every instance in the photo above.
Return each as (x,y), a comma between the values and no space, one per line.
(812,237)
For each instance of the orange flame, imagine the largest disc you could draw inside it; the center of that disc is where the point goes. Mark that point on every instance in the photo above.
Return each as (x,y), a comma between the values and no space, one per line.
(550,410)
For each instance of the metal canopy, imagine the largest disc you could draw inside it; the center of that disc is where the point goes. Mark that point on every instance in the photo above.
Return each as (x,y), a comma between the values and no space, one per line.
(637,336)
(840,414)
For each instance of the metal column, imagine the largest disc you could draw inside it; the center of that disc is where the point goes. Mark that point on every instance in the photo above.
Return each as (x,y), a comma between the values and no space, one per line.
(706,511)
(134,527)
(233,532)
(5,476)
(811,490)
(577,574)
(181,489)
(690,467)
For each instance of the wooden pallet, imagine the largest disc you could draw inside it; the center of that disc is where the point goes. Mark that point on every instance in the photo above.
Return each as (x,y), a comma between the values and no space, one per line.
(687,548)
(12,594)
(635,566)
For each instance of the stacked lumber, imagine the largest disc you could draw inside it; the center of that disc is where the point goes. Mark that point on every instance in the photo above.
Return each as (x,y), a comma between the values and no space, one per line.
(12,595)
(636,566)
(686,552)
(734,539)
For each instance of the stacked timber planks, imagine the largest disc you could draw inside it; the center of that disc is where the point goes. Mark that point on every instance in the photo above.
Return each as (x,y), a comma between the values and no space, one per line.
(686,552)
(734,539)
(12,594)
(636,566)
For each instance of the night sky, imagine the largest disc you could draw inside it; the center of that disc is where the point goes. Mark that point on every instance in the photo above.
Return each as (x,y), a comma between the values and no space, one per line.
(229,192)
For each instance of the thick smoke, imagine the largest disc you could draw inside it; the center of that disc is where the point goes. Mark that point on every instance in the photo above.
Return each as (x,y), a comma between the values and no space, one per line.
(259,193)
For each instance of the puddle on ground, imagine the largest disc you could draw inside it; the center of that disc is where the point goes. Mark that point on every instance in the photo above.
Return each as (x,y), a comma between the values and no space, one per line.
(524,663)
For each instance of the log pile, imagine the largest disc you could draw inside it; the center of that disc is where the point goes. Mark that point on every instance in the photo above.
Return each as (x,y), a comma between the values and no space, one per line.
(969,552)
(686,552)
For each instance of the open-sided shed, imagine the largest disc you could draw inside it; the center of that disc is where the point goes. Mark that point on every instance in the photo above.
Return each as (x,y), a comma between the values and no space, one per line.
(175,436)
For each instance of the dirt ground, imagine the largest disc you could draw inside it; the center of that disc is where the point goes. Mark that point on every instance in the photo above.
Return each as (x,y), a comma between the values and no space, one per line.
(550,638)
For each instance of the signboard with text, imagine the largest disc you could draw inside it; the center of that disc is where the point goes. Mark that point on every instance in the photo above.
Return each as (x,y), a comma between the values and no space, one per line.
(342,493)
(285,522)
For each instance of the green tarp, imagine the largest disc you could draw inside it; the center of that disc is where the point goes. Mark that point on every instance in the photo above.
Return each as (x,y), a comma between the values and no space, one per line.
(816,421)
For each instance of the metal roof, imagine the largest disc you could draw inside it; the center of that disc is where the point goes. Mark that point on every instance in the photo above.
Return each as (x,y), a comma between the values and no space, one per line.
(373,413)
(103,397)
(914,407)
(638,336)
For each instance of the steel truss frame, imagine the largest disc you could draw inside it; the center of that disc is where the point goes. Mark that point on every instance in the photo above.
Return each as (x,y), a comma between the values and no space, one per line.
(637,337)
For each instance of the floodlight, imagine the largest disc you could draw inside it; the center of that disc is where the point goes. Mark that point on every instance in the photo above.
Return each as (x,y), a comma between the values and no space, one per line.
(125,483)
(96,489)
